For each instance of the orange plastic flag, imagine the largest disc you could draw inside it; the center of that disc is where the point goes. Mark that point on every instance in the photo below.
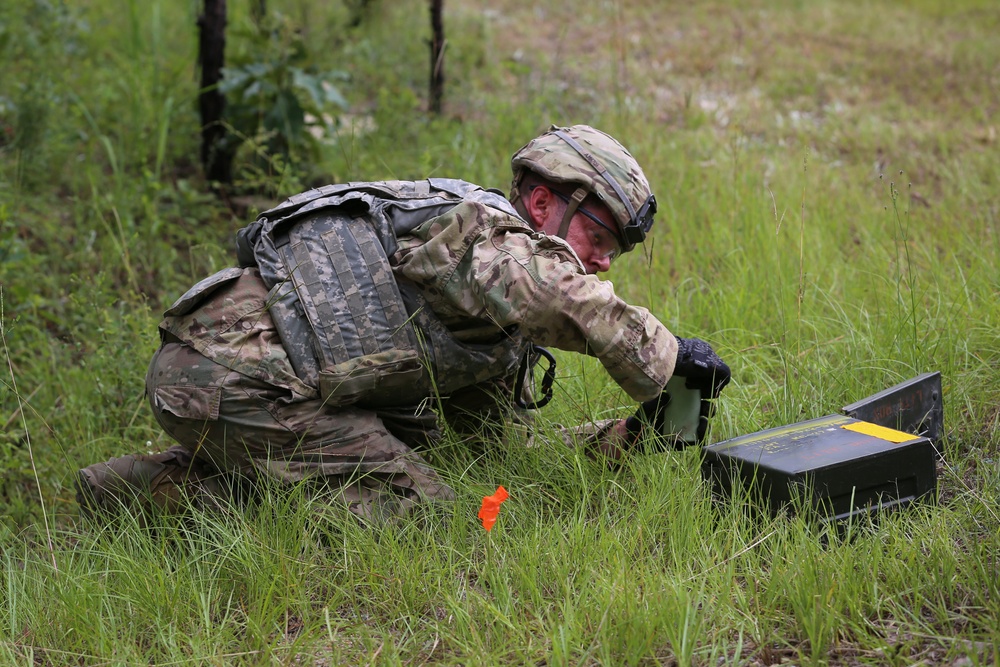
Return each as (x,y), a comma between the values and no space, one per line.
(491,507)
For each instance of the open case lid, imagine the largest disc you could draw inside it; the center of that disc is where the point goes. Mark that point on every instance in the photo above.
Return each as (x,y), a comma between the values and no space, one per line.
(914,406)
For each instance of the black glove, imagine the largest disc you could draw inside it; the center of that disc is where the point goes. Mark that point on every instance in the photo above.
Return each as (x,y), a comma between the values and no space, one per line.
(701,367)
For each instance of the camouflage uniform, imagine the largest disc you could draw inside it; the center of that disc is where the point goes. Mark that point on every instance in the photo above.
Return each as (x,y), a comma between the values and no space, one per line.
(223,387)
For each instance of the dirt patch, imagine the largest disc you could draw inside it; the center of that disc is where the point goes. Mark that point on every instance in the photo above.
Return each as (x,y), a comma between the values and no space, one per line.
(818,68)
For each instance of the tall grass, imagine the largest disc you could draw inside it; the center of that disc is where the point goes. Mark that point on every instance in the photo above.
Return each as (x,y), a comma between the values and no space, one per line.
(829,221)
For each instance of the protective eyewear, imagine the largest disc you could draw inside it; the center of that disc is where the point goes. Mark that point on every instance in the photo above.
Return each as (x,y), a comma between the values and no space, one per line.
(613,252)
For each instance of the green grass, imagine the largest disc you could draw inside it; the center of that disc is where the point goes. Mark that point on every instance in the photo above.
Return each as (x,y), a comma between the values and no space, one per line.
(827,174)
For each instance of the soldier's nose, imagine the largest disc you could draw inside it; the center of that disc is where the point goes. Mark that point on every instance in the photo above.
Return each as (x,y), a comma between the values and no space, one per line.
(601,264)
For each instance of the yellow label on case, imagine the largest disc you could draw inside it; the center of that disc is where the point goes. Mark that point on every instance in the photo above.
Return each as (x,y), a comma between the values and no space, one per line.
(881,432)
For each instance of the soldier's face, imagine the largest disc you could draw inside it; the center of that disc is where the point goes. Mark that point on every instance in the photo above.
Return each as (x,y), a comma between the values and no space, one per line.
(595,246)
(589,232)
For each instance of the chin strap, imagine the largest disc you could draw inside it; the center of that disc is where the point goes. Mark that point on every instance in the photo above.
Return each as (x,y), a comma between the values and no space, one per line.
(574,203)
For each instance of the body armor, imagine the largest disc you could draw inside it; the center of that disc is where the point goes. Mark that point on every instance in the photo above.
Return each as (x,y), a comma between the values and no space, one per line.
(350,328)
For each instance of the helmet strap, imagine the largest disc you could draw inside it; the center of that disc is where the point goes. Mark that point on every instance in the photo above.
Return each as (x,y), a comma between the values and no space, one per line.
(574,203)
(515,189)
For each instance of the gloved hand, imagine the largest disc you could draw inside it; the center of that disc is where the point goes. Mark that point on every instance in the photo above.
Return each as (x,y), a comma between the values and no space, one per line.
(703,370)
(701,367)
(653,413)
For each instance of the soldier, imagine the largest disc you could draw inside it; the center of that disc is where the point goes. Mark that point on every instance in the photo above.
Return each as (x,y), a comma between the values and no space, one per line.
(356,307)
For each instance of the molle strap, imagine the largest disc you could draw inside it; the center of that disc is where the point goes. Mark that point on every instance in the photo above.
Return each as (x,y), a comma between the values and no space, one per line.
(574,203)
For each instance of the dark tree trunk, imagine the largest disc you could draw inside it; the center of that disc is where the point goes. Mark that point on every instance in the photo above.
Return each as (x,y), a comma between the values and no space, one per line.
(437,45)
(216,159)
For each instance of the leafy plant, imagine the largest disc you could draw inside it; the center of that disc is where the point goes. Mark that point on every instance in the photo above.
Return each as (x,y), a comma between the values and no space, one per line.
(281,108)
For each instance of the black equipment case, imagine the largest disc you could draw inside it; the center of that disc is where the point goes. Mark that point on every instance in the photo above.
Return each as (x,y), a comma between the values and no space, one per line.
(841,465)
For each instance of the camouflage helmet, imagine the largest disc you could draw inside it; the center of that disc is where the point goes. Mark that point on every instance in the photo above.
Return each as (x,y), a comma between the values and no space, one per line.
(591,159)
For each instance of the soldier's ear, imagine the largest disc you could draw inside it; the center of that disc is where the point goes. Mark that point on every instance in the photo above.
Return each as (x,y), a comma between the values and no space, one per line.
(540,205)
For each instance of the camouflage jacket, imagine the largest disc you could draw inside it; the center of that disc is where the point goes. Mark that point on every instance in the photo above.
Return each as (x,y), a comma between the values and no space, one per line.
(481,270)
(479,266)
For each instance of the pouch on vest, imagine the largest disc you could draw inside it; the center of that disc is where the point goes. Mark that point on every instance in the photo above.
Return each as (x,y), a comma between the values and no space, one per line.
(388,375)
(339,312)
(200,290)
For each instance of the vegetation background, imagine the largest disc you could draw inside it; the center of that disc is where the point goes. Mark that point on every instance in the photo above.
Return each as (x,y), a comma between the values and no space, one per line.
(828,174)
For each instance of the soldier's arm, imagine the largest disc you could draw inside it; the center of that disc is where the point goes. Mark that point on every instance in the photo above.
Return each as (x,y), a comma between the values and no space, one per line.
(481,263)
(536,283)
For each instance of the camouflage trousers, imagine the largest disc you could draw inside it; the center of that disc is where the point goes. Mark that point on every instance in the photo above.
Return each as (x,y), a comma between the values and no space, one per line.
(232,430)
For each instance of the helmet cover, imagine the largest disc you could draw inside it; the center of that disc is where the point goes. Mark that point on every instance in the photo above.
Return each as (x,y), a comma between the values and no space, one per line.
(584,156)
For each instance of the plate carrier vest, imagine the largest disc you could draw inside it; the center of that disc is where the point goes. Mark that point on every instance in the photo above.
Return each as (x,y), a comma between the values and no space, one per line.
(349,326)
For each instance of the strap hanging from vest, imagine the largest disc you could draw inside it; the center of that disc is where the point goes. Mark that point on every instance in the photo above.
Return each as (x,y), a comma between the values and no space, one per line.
(528,363)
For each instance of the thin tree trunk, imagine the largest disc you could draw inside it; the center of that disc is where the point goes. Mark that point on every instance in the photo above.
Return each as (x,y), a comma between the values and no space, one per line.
(437,45)
(215,159)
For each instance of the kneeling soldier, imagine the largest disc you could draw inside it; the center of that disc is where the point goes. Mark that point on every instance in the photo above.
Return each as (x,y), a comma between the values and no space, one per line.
(354,304)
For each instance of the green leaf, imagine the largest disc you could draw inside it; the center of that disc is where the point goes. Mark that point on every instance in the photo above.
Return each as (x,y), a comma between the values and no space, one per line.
(233,78)
(311,84)
(287,116)
(333,95)
(252,90)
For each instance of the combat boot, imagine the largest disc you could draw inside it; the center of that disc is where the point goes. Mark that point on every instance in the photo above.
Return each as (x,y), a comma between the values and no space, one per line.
(138,483)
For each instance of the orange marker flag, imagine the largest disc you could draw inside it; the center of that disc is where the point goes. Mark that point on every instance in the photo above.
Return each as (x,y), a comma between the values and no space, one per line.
(491,507)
